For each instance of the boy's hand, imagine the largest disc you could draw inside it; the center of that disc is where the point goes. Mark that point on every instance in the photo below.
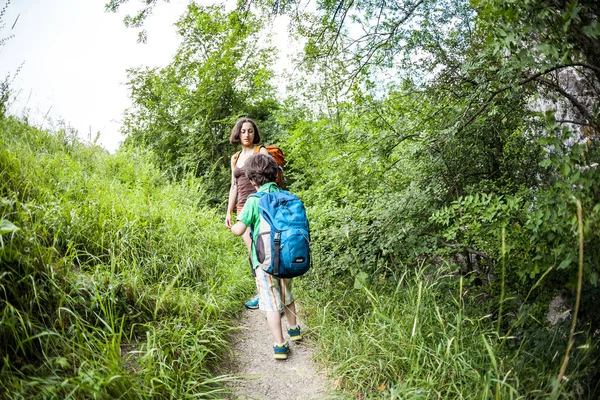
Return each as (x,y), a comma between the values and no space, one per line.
(228,220)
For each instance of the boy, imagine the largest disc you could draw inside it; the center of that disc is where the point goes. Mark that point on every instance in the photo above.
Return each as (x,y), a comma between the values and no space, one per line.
(274,293)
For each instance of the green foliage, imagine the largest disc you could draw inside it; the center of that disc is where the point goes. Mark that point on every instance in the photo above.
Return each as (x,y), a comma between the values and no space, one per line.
(441,199)
(113,282)
(184,112)
(137,20)
(476,221)
(538,37)
(418,334)
(433,167)
(541,225)
(552,221)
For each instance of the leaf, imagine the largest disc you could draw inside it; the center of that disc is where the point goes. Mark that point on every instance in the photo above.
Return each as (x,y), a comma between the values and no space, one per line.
(545,48)
(360,279)
(575,177)
(7,227)
(592,30)
(565,263)
(566,169)
(594,278)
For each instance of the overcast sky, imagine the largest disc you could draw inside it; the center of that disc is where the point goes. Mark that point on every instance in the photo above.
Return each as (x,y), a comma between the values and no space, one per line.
(75,57)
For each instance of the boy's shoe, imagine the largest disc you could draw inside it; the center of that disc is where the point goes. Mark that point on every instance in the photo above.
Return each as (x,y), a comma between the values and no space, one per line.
(280,352)
(295,333)
(252,304)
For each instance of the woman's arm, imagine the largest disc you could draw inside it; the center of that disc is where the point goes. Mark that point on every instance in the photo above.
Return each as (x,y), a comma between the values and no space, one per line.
(263,150)
(232,196)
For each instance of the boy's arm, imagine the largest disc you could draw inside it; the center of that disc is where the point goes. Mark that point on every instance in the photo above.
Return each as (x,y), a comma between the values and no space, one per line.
(238,228)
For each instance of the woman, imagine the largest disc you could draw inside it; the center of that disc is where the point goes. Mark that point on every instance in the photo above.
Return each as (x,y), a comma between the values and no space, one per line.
(244,132)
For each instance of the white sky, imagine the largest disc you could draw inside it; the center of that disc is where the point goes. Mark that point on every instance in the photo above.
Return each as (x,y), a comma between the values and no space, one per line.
(75,56)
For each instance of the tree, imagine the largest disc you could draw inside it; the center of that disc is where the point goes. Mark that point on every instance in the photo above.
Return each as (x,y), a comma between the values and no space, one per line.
(467,79)
(184,112)
(137,20)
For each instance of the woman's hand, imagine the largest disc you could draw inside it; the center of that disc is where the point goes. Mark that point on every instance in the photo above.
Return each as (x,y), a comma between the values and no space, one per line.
(228,220)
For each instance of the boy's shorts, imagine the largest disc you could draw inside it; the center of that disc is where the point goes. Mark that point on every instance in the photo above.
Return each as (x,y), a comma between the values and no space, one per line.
(273,292)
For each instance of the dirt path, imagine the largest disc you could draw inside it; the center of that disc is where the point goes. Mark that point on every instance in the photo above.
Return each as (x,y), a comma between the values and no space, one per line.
(262,377)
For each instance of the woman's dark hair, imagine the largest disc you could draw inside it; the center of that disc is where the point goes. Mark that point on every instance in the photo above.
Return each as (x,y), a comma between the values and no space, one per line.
(261,169)
(234,138)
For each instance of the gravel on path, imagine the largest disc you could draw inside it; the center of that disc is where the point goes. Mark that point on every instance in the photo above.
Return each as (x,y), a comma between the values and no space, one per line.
(261,377)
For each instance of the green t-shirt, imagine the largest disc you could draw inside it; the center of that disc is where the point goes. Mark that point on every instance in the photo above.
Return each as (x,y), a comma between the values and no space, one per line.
(250,215)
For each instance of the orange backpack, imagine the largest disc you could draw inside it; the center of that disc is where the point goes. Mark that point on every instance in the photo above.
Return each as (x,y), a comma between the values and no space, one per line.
(277,155)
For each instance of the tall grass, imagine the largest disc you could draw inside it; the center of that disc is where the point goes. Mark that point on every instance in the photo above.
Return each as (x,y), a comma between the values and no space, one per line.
(412,333)
(117,283)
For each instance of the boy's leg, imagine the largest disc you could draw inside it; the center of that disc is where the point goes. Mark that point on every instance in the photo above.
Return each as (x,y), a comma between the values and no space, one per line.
(252,304)
(290,313)
(271,303)
(287,299)
(274,322)
(290,309)
(272,299)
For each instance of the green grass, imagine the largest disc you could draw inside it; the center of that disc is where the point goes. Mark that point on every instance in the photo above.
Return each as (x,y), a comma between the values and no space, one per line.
(117,283)
(416,334)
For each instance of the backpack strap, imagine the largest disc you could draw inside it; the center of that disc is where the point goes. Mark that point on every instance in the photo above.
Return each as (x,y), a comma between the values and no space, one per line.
(257,194)
(261,194)
(276,252)
(237,154)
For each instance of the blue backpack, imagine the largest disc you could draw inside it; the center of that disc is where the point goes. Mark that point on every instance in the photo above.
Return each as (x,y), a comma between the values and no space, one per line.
(283,243)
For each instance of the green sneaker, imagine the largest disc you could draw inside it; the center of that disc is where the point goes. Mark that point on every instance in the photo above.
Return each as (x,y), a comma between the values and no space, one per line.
(280,352)
(252,304)
(294,333)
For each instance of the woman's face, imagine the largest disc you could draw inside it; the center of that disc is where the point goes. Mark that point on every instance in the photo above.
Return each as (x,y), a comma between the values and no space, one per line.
(247,134)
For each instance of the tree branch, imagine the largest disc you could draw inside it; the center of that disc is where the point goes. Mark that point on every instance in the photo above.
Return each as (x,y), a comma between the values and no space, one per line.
(569,121)
(580,107)
(341,24)
(458,246)
(521,83)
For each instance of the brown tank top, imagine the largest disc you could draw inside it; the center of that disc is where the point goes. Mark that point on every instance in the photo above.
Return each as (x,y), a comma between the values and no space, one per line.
(244,187)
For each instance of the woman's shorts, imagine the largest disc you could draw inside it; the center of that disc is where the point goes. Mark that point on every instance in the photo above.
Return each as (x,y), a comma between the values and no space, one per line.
(273,292)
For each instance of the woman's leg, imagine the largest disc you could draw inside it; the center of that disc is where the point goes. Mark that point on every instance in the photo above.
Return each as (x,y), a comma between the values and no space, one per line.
(251,304)
(247,240)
